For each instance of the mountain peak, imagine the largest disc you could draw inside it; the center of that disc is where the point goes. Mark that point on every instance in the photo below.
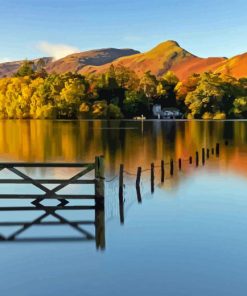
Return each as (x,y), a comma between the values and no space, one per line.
(166,47)
(170,43)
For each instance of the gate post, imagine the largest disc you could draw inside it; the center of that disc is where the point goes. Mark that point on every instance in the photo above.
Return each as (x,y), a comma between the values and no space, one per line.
(99,178)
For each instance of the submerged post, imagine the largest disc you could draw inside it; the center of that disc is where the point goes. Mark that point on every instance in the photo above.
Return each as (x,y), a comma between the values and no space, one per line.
(180,164)
(203,156)
(99,178)
(121,211)
(121,181)
(100,227)
(190,160)
(121,198)
(138,176)
(171,167)
(217,149)
(138,179)
(162,171)
(152,177)
(197,158)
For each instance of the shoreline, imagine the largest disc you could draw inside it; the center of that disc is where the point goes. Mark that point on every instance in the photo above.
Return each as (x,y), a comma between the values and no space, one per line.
(131,120)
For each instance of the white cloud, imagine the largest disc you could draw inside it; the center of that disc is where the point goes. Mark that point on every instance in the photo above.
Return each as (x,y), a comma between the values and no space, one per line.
(57,51)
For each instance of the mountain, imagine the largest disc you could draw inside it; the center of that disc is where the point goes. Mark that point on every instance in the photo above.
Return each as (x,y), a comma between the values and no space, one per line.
(236,66)
(197,65)
(76,62)
(167,56)
(9,68)
(164,57)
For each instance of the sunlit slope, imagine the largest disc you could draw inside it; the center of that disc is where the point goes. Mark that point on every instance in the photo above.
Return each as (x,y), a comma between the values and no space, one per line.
(158,60)
(197,65)
(236,66)
(164,57)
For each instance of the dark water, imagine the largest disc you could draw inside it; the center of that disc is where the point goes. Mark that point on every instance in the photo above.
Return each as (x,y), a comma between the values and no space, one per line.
(187,238)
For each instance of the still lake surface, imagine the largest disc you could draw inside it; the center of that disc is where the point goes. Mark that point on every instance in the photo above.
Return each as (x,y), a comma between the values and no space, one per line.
(189,237)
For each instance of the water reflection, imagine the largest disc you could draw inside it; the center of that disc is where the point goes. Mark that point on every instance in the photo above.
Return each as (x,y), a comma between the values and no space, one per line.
(132,143)
(191,231)
(43,212)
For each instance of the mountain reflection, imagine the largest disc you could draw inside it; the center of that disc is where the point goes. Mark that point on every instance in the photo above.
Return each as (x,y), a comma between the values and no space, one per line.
(130,142)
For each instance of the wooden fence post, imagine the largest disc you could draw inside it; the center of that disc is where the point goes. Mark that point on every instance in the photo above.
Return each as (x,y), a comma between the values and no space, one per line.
(203,156)
(217,149)
(162,171)
(121,182)
(171,167)
(121,198)
(100,228)
(180,164)
(138,179)
(121,212)
(138,176)
(99,178)
(152,177)
(197,158)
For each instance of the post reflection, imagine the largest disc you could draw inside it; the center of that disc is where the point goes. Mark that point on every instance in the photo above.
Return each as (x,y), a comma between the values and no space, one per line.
(81,233)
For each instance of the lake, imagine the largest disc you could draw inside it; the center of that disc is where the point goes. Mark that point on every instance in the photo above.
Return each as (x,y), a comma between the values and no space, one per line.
(186,238)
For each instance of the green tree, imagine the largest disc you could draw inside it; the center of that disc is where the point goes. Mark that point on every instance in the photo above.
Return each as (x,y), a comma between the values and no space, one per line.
(135,104)
(114,112)
(26,69)
(166,90)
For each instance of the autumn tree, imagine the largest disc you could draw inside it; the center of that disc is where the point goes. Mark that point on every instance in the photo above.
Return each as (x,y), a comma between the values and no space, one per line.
(207,96)
(240,107)
(148,84)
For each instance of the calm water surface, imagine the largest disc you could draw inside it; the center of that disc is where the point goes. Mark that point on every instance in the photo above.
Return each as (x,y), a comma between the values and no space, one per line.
(187,238)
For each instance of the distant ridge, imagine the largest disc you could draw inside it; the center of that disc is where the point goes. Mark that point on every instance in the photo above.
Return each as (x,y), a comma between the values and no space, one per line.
(73,62)
(76,62)
(9,68)
(166,56)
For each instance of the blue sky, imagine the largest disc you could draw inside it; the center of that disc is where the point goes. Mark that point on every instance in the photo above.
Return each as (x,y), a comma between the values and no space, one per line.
(33,28)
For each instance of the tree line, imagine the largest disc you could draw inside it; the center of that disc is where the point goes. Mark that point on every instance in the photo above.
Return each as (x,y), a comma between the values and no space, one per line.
(119,93)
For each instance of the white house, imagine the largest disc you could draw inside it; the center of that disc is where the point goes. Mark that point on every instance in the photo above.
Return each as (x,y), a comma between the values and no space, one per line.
(166,113)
